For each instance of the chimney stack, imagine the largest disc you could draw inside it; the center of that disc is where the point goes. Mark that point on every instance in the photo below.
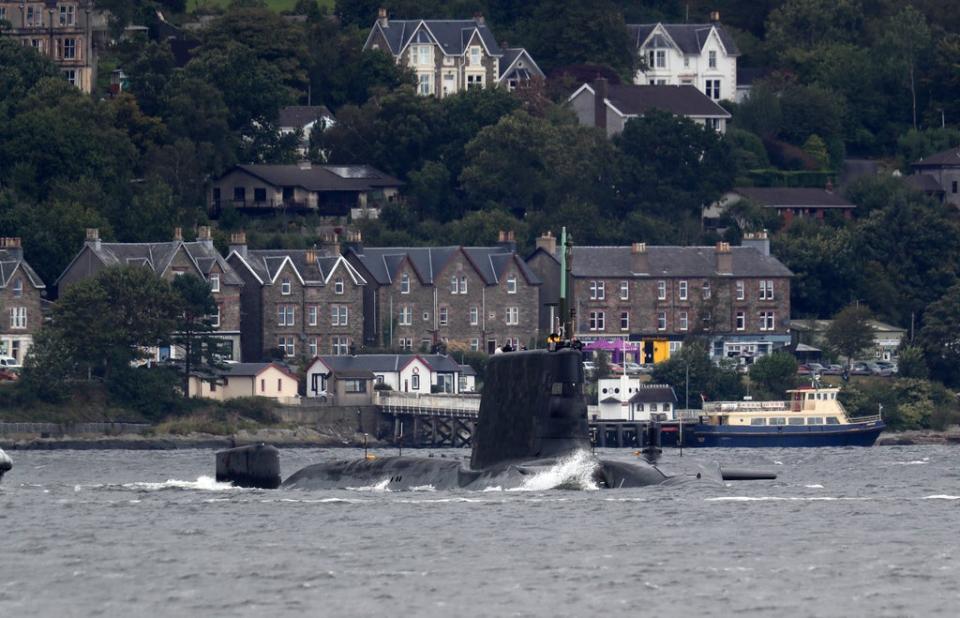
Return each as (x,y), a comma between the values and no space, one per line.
(478,17)
(178,233)
(507,240)
(548,242)
(238,243)
(12,245)
(204,235)
(758,240)
(715,16)
(599,103)
(639,258)
(382,18)
(311,256)
(724,259)
(93,237)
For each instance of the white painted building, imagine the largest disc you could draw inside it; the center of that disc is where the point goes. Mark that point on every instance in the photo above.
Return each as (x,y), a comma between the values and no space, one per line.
(406,373)
(699,55)
(628,399)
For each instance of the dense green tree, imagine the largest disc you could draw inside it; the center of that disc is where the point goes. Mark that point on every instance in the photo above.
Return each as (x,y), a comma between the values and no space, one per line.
(906,40)
(774,374)
(760,112)
(672,167)
(21,68)
(850,333)
(797,28)
(824,266)
(708,381)
(940,337)
(194,329)
(911,363)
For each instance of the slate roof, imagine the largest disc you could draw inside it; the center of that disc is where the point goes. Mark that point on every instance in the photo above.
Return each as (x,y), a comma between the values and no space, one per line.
(690,38)
(924,182)
(157,256)
(10,262)
(510,55)
(654,393)
(323,177)
(947,158)
(632,100)
(300,116)
(387,363)
(490,262)
(267,264)
(452,35)
(793,197)
(668,261)
(252,369)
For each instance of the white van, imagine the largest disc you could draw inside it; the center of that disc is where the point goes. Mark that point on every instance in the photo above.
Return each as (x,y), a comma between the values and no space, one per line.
(8,362)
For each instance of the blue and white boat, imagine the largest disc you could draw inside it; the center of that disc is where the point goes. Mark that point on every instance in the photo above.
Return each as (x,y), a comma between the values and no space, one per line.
(812,416)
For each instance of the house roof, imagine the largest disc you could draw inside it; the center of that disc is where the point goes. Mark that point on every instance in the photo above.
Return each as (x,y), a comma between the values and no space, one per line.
(669,261)
(690,38)
(489,262)
(924,182)
(822,325)
(300,116)
(157,256)
(322,177)
(252,369)
(452,35)
(633,100)
(654,393)
(354,374)
(947,158)
(387,363)
(510,57)
(793,197)
(10,262)
(267,264)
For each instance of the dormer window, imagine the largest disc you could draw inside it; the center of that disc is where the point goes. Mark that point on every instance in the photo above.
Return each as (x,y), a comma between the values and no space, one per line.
(405,283)
(286,287)
(512,285)
(18,288)
(338,286)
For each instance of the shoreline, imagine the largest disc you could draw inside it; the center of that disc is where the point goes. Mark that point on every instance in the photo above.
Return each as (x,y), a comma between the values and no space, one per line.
(308,438)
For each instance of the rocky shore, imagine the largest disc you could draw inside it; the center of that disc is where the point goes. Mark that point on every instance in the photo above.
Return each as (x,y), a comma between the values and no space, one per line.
(923,436)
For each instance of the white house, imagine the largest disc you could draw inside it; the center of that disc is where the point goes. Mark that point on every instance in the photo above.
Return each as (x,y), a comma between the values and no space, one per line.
(407,373)
(699,55)
(627,399)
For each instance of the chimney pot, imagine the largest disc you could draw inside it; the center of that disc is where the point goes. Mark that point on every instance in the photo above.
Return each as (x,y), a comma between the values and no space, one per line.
(724,258)
(715,16)
(639,259)
(203,233)
(478,17)
(311,256)
(548,243)
(238,238)
(93,233)
(382,17)
(178,233)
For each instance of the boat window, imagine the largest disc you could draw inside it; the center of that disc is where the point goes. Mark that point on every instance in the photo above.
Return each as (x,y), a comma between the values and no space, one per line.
(796,421)
(815,420)
(777,420)
(833,420)
(758,421)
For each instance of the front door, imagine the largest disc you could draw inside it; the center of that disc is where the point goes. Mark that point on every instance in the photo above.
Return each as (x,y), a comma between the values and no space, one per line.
(491,346)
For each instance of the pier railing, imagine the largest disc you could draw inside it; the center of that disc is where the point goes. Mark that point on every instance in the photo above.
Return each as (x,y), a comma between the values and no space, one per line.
(463,406)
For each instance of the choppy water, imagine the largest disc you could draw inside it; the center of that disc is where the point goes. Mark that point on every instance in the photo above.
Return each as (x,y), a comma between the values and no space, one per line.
(842,532)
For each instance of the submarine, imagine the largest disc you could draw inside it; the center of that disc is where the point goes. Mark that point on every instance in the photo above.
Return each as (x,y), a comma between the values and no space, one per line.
(532,418)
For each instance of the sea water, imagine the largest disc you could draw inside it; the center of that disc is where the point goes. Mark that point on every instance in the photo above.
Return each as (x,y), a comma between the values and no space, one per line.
(841,532)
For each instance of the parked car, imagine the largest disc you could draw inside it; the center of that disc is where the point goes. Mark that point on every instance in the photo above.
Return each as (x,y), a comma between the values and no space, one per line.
(888,366)
(9,362)
(860,368)
(589,369)
(616,369)
(833,369)
(632,369)
(803,369)
(877,369)
(816,368)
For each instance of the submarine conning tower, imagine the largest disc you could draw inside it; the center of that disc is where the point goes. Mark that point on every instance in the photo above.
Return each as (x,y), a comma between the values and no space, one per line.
(532,407)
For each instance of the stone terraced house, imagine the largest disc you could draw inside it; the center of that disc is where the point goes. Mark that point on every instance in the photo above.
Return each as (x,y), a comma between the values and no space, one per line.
(451,55)
(469,298)
(305,303)
(737,298)
(169,260)
(21,299)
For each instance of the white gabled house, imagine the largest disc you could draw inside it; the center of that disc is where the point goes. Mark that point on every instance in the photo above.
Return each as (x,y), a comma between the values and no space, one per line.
(405,373)
(700,55)
(627,399)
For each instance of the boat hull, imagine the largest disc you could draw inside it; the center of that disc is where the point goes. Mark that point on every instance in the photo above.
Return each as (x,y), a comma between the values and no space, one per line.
(784,436)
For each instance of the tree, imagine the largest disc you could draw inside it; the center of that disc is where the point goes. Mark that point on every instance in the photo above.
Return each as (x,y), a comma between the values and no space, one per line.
(797,28)
(906,39)
(194,329)
(940,337)
(774,373)
(850,333)
(707,380)
(911,364)
(817,150)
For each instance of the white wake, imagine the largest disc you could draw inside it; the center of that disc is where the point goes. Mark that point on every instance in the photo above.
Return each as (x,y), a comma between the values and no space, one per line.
(574,472)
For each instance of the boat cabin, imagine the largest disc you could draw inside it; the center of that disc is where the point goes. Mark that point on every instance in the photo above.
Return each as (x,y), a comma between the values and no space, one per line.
(805,406)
